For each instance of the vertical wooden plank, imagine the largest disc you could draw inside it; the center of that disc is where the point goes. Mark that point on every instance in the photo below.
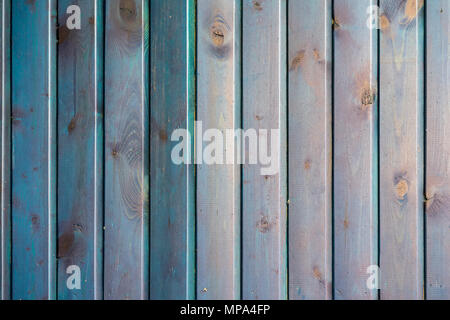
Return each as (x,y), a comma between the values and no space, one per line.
(438,149)
(310,147)
(126,150)
(80,149)
(355,149)
(172,186)
(401,149)
(5,152)
(34,149)
(218,185)
(264,107)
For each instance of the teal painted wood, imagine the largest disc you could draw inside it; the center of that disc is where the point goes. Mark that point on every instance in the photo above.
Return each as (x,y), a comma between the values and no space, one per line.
(80,150)
(438,150)
(126,150)
(355,149)
(172,187)
(310,150)
(219,185)
(5,151)
(34,149)
(264,256)
(401,149)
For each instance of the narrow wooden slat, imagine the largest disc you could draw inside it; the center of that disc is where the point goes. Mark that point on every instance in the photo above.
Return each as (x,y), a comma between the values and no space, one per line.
(264,213)
(80,149)
(126,150)
(172,186)
(438,150)
(401,149)
(310,157)
(34,149)
(218,186)
(355,149)
(5,151)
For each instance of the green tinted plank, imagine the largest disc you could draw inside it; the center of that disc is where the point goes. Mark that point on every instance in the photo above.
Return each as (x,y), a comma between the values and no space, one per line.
(264,261)
(310,156)
(401,149)
(126,150)
(218,185)
(5,151)
(80,149)
(172,186)
(355,149)
(34,149)
(438,150)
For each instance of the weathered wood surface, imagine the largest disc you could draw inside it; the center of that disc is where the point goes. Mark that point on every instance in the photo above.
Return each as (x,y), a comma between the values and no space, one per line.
(34,149)
(172,186)
(218,107)
(5,151)
(355,149)
(310,158)
(438,150)
(126,255)
(80,149)
(401,149)
(264,197)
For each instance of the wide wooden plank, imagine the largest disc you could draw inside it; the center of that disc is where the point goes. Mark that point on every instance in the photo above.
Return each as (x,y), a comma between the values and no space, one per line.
(80,149)
(438,150)
(310,142)
(172,186)
(126,150)
(5,151)
(401,149)
(34,149)
(355,149)
(218,185)
(264,264)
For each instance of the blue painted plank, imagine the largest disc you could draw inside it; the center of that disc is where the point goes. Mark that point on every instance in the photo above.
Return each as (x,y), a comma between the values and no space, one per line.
(80,150)
(218,185)
(438,150)
(5,152)
(34,149)
(310,152)
(126,150)
(172,187)
(264,212)
(355,150)
(401,149)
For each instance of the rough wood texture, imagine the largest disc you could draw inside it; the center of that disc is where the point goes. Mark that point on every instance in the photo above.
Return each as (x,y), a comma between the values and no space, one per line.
(438,150)
(80,149)
(5,151)
(264,264)
(401,149)
(218,98)
(34,149)
(126,150)
(172,187)
(355,149)
(310,142)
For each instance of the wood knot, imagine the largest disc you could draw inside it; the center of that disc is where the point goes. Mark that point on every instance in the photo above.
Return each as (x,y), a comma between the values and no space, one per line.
(217,32)
(401,189)
(128,11)
(367,97)
(257,5)
(298,60)
(263,225)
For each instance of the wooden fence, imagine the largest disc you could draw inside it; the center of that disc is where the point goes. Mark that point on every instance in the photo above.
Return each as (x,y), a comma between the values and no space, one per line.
(87,179)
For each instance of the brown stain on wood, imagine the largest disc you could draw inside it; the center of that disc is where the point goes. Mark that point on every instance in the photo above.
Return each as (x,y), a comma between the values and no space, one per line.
(31,4)
(257,5)
(412,9)
(63,34)
(307,164)
(401,189)
(298,60)
(65,244)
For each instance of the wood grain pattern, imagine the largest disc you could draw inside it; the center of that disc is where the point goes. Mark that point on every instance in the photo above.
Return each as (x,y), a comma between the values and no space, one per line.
(401,149)
(264,264)
(172,187)
(5,151)
(438,150)
(80,149)
(126,150)
(34,149)
(310,142)
(218,210)
(355,149)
